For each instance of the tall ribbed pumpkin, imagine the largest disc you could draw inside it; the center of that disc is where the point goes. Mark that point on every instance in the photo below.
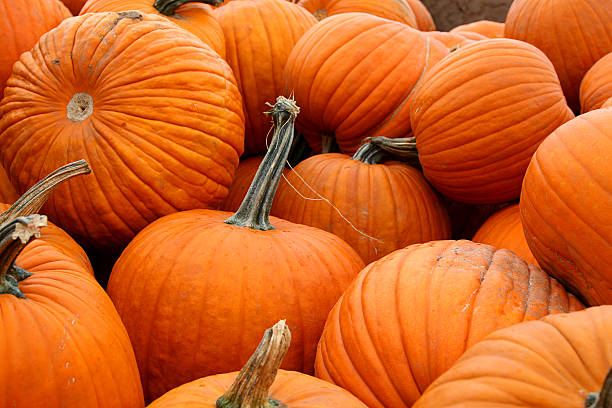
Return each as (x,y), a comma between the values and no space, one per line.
(195,289)
(409,316)
(259,37)
(155,112)
(566,208)
(596,86)
(479,115)
(352,84)
(573,34)
(397,10)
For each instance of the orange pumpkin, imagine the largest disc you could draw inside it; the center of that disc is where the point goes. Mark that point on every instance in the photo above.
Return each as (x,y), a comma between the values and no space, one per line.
(8,194)
(565,207)
(450,40)
(479,115)
(596,86)
(74,5)
(607,104)
(423,17)
(136,96)
(409,316)
(397,10)
(487,28)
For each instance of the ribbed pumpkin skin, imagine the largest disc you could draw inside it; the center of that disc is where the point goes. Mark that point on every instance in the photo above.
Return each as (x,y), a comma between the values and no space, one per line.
(74,5)
(565,206)
(423,17)
(596,86)
(479,115)
(165,133)
(409,316)
(242,180)
(391,203)
(490,29)
(295,390)
(240,280)
(351,84)
(22,23)
(259,37)
(65,344)
(197,18)
(449,40)
(396,10)
(573,34)
(504,229)
(8,194)
(549,363)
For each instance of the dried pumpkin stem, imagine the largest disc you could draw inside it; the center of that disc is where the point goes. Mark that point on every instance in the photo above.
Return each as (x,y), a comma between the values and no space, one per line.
(602,399)
(379,148)
(14,236)
(251,387)
(254,212)
(168,7)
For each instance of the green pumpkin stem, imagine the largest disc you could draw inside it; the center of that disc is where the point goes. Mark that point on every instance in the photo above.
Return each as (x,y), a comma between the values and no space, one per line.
(602,399)
(14,236)
(377,149)
(254,212)
(168,7)
(251,388)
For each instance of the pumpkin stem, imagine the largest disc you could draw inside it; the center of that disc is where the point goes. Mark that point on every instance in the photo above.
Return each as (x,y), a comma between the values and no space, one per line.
(252,385)
(254,212)
(168,7)
(602,399)
(14,236)
(379,148)
(37,195)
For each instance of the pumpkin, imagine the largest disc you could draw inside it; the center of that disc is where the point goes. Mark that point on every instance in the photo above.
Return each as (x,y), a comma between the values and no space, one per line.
(450,40)
(573,34)
(22,23)
(471,36)
(52,311)
(409,316)
(607,104)
(260,34)
(565,208)
(8,194)
(504,229)
(260,383)
(596,86)
(397,10)
(351,84)
(155,112)
(242,180)
(241,272)
(487,28)
(375,205)
(74,5)
(194,16)
(479,115)
(559,361)
(423,17)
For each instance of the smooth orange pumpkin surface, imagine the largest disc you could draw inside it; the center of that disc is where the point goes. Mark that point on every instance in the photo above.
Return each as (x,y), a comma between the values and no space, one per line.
(408,317)
(504,229)
(397,10)
(194,16)
(423,17)
(607,104)
(353,75)
(565,206)
(549,363)
(259,36)
(155,112)
(490,29)
(479,115)
(573,34)
(450,40)
(596,86)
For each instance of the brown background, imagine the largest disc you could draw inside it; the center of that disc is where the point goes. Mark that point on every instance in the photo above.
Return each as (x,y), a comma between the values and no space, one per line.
(451,13)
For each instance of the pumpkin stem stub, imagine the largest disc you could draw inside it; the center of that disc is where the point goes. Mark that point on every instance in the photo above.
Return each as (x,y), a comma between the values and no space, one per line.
(602,399)
(168,7)
(252,385)
(375,150)
(254,212)
(80,107)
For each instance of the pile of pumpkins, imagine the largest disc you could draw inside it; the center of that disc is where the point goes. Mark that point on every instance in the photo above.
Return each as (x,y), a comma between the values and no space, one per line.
(408,217)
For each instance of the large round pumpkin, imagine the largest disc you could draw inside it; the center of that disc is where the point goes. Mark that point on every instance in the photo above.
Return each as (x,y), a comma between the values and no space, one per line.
(573,34)
(479,115)
(409,316)
(565,206)
(155,112)
(596,86)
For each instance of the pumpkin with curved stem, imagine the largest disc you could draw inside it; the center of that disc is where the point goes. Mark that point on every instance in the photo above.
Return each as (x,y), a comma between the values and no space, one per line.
(562,360)
(241,273)
(351,84)
(596,86)
(410,315)
(397,10)
(259,37)
(479,115)
(488,28)
(161,135)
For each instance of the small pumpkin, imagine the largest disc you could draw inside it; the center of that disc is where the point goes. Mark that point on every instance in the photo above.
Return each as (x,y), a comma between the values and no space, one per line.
(596,86)
(487,28)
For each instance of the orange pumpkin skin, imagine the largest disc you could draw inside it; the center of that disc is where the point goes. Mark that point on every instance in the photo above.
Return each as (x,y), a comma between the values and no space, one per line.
(573,34)
(504,229)
(149,138)
(295,390)
(408,317)
(361,90)
(607,104)
(237,278)
(479,115)
(488,28)
(450,40)
(596,86)
(22,24)
(423,17)
(396,10)
(564,207)
(197,18)
(548,363)
(74,5)
(259,37)
(8,194)
(391,203)
(242,180)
